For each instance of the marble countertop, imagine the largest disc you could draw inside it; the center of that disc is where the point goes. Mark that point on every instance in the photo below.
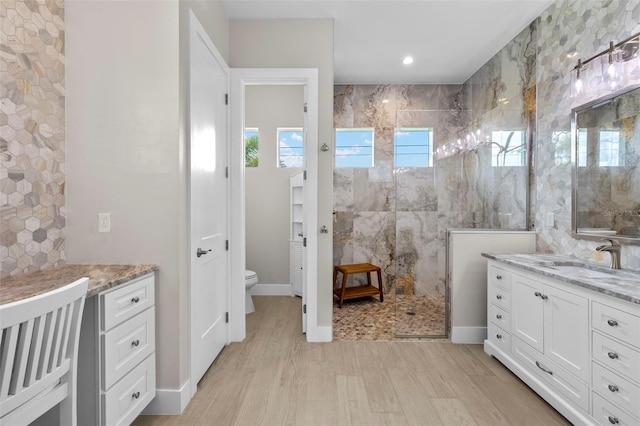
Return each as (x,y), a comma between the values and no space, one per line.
(101,277)
(623,283)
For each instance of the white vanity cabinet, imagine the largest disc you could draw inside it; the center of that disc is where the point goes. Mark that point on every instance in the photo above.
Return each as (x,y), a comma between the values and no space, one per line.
(577,348)
(499,308)
(615,352)
(553,321)
(116,362)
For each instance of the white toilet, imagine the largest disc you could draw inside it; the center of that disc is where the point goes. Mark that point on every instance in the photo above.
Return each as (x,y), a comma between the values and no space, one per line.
(250,279)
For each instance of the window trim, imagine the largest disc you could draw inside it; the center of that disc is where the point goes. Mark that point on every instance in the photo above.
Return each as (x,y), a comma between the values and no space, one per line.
(429,130)
(278,159)
(371,130)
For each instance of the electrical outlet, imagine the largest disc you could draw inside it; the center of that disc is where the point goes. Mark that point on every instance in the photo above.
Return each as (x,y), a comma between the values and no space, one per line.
(104,222)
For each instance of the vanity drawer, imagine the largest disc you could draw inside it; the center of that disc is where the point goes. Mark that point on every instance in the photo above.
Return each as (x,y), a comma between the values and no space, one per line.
(606,413)
(124,302)
(616,356)
(126,400)
(500,317)
(572,388)
(126,345)
(499,337)
(616,389)
(616,323)
(500,297)
(500,277)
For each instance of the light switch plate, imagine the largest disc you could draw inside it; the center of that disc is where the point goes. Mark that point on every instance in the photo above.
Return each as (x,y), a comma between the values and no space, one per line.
(104,222)
(551,220)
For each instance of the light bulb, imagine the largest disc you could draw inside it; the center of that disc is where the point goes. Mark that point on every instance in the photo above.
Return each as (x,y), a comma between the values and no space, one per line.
(578,85)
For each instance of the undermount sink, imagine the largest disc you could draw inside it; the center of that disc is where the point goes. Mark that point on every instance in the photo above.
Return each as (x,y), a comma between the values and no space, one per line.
(583,272)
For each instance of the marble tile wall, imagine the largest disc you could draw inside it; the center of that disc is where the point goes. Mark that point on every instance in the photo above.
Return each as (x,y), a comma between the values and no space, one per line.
(32,135)
(584,27)
(384,215)
(397,217)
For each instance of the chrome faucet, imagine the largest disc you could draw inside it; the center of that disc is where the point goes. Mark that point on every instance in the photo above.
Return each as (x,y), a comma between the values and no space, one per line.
(614,250)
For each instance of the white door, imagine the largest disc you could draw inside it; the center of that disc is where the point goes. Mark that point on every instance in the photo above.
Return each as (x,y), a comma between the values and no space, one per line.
(305,221)
(208,203)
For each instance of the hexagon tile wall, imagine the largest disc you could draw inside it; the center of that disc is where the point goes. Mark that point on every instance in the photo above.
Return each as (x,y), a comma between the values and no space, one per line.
(32,135)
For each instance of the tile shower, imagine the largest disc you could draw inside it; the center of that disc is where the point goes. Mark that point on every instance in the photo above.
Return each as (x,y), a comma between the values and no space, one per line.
(526,86)
(397,218)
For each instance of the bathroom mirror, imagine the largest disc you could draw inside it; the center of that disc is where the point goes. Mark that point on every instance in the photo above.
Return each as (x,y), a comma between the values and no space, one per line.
(606,168)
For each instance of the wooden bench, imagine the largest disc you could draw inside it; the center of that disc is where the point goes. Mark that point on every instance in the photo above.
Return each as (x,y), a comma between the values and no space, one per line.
(343,292)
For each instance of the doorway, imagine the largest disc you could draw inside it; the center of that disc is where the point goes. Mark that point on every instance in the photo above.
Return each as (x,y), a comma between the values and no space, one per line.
(274,154)
(240,80)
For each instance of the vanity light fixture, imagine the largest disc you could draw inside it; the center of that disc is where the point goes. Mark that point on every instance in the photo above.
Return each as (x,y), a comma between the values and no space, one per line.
(611,74)
(620,66)
(578,84)
(408,60)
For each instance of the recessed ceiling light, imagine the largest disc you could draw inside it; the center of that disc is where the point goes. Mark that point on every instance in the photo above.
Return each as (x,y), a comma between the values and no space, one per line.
(385,101)
(408,60)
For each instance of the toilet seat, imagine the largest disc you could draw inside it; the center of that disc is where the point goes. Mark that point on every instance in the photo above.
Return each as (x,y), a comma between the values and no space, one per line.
(250,277)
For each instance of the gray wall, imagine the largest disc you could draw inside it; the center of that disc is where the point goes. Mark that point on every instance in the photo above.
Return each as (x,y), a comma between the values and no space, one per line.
(126,150)
(306,43)
(267,186)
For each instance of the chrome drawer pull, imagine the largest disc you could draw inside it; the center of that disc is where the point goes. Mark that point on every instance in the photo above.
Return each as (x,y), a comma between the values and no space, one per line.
(135,342)
(613,388)
(499,336)
(498,277)
(612,323)
(613,420)
(612,355)
(135,299)
(499,296)
(499,316)
(136,395)
(543,369)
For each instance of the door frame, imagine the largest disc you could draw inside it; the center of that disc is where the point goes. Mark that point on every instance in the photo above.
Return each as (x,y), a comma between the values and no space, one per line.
(240,78)
(197,31)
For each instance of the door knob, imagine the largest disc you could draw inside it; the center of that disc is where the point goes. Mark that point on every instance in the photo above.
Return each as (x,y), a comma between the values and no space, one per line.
(201,252)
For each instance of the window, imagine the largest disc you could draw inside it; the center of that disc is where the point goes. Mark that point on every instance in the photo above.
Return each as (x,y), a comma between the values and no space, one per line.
(582,147)
(609,149)
(354,147)
(251,147)
(413,147)
(290,147)
(508,148)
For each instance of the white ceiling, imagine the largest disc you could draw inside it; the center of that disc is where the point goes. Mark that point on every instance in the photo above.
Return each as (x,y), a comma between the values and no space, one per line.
(449,39)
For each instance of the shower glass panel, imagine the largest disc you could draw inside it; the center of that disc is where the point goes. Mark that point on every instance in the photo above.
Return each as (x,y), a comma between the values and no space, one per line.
(422,193)
(448,175)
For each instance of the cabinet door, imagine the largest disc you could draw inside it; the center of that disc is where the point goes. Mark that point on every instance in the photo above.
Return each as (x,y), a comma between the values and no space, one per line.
(527,312)
(566,333)
(296,268)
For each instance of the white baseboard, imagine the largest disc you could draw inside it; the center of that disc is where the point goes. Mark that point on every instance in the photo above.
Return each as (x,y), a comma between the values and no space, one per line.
(271,290)
(468,335)
(169,401)
(320,334)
